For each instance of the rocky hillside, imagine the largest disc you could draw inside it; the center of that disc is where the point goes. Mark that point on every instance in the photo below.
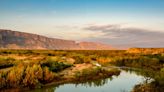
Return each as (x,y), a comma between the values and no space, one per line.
(20,40)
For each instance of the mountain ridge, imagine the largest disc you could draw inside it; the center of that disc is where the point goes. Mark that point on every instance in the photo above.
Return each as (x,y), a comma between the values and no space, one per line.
(21,40)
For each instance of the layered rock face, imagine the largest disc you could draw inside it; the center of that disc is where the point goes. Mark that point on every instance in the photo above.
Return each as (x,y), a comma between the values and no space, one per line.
(20,40)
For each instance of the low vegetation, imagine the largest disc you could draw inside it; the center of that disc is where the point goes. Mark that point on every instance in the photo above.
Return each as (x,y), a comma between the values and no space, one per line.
(88,73)
(32,75)
(35,68)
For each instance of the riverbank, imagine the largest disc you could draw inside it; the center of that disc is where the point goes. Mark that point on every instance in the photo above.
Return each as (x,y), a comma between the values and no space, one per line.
(97,85)
(37,75)
(85,74)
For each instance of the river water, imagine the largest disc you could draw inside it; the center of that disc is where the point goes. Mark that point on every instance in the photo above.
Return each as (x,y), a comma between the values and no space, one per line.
(122,83)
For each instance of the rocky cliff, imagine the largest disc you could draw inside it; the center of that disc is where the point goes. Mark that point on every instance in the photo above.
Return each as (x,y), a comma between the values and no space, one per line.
(20,40)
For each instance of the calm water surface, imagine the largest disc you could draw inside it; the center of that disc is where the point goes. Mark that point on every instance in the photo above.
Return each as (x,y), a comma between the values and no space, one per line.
(122,83)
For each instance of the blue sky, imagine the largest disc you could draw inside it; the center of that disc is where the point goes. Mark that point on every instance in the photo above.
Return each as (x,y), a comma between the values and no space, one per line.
(58,18)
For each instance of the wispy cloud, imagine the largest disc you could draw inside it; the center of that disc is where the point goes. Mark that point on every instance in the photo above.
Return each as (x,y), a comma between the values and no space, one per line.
(117,34)
(101,27)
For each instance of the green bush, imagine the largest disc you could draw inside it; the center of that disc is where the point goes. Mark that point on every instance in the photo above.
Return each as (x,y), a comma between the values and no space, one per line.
(54,65)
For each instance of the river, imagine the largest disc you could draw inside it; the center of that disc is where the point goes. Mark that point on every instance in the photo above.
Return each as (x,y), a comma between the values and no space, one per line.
(122,83)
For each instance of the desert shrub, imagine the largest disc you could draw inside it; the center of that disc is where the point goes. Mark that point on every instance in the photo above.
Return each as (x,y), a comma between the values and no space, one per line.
(162,69)
(26,76)
(32,76)
(89,73)
(103,60)
(113,71)
(159,77)
(55,66)
(86,73)
(87,59)
(2,79)
(48,75)
(144,61)
(15,76)
(6,62)
(79,59)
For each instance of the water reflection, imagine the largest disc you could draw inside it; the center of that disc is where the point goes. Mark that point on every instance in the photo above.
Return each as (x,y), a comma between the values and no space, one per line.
(129,80)
(153,81)
(95,83)
(122,83)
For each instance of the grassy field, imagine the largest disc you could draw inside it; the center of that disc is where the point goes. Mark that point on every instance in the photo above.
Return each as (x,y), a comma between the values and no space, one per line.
(36,68)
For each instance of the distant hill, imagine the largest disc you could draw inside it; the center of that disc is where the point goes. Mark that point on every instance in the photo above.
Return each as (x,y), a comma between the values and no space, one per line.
(21,40)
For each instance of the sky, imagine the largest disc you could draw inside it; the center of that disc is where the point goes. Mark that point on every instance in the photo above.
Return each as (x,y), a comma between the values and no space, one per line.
(117,22)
